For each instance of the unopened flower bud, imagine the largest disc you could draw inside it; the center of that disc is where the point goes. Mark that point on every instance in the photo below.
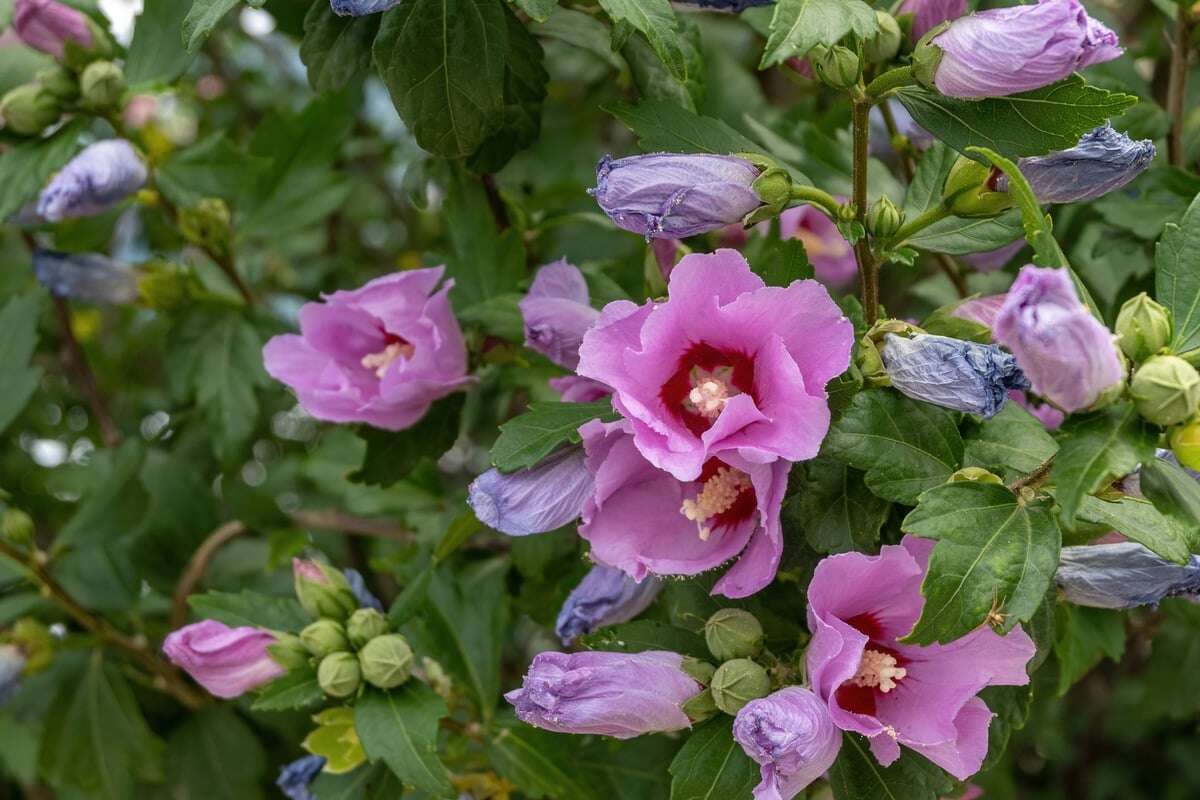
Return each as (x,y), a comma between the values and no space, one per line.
(971,190)
(1123,575)
(36,641)
(364,625)
(835,66)
(885,44)
(16,526)
(701,671)
(774,188)
(339,675)
(1144,327)
(976,475)
(323,637)
(700,707)
(288,651)
(60,82)
(28,109)
(1166,390)
(738,682)
(163,285)
(386,661)
(101,85)
(208,225)
(322,590)
(1185,444)
(884,219)
(733,633)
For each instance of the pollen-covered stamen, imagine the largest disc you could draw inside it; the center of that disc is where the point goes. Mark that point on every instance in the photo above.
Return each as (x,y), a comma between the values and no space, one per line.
(718,494)
(878,671)
(383,359)
(711,390)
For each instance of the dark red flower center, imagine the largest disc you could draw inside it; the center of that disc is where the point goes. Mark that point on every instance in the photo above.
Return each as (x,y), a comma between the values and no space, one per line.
(393,347)
(703,382)
(726,498)
(880,669)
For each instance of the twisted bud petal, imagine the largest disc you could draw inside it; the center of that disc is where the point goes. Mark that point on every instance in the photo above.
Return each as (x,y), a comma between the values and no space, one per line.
(100,177)
(1102,162)
(48,25)
(791,735)
(951,373)
(557,313)
(534,500)
(1123,576)
(225,661)
(89,277)
(605,596)
(360,8)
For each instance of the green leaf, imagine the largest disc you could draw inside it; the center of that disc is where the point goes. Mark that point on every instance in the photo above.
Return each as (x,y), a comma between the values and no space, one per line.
(213,167)
(905,447)
(392,455)
(250,608)
(540,763)
(925,191)
(958,236)
(800,25)
(645,634)
(712,765)
(115,507)
(484,262)
(1175,493)
(154,55)
(336,50)
(400,727)
(1011,444)
(656,20)
(1140,521)
(527,439)
(629,770)
(582,31)
(538,10)
(412,599)
(1177,277)
(296,689)
(994,553)
(857,775)
(662,126)
(214,755)
(835,509)
(443,62)
(19,321)
(1096,449)
(202,19)
(1084,637)
(782,262)
(27,166)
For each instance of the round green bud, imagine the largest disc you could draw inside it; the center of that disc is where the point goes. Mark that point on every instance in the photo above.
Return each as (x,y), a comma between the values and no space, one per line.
(339,675)
(1143,327)
(59,82)
(884,218)
(323,637)
(835,66)
(164,286)
(102,85)
(738,682)
(364,625)
(700,707)
(885,44)
(288,651)
(386,661)
(774,187)
(733,633)
(16,526)
(700,671)
(29,109)
(208,225)
(1185,444)
(1166,390)
(976,475)
(970,190)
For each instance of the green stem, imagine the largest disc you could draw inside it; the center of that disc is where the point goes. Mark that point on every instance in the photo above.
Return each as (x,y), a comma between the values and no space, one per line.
(890,81)
(816,197)
(868,267)
(920,223)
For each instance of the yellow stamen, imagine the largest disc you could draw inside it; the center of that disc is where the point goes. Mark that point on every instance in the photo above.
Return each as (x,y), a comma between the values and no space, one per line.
(383,359)
(717,496)
(878,671)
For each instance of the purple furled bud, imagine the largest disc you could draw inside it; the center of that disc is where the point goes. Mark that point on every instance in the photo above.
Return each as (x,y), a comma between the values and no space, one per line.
(1123,576)
(574,389)
(47,25)
(676,195)
(12,665)
(792,736)
(1004,51)
(225,661)
(322,590)
(1103,161)
(980,309)
(612,694)
(360,8)
(295,777)
(992,260)
(534,500)
(928,14)
(102,175)
(951,373)
(605,596)
(732,6)
(557,313)
(1069,357)
(89,277)
(361,593)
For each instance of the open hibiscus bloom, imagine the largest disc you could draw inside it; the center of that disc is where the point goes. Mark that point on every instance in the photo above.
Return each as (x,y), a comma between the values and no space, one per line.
(643,521)
(725,365)
(893,693)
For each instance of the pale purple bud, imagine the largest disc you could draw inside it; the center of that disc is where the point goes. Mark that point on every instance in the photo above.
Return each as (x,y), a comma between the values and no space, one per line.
(534,500)
(1103,161)
(605,596)
(1004,51)
(557,313)
(928,14)
(360,8)
(88,277)
(48,25)
(1069,357)
(732,6)
(611,694)
(295,777)
(952,373)
(97,179)
(792,736)
(1123,576)
(980,309)
(12,665)
(675,195)
(225,661)
(992,260)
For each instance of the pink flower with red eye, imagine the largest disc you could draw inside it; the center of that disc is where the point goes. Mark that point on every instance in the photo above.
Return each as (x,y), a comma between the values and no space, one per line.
(725,366)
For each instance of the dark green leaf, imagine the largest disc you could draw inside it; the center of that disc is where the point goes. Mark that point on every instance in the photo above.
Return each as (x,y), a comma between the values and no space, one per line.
(27,167)
(783,262)
(538,10)
(656,20)
(213,755)
(154,55)
(484,262)
(1011,444)
(114,509)
(1084,637)
(663,126)
(540,763)
(628,770)
(800,25)
(1175,493)
(19,321)
(400,727)
(410,600)
(296,689)
(336,50)
(1177,277)
(214,167)
(392,455)
(202,19)
(527,439)
(1096,449)
(646,634)
(712,765)
(1140,521)
(250,608)
(857,775)
(958,236)
(835,509)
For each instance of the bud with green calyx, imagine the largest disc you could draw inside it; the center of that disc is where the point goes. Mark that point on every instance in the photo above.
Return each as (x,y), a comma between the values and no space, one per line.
(59,82)
(1185,444)
(970,190)
(885,44)
(166,286)
(975,475)
(738,682)
(773,187)
(386,661)
(325,636)
(927,57)
(101,86)
(364,625)
(16,526)
(29,109)
(339,674)
(77,57)
(700,707)
(837,66)
(1144,327)
(884,218)
(733,633)
(1166,390)
(870,360)
(322,590)
(700,671)
(208,225)
(288,651)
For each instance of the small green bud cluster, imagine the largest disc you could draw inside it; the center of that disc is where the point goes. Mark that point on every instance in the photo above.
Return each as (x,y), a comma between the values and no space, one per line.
(361,650)
(735,638)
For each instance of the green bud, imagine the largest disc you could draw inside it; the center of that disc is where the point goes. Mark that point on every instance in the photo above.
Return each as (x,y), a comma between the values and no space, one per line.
(36,641)
(339,675)
(884,219)
(102,47)
(288,651)
(16,526)
(364,625)
(386,661)
(885,44)
(29,109)
(60,82)
(208,225)
(165,286)
(700,707)
(774,188)
(733,633)
(1185,444)
(323,637)
(975,474)
(701,671)
(836,66)
(322,590)
(102,85)
(970,190)
(1144,327)
(927,57)
(1166,390)
(738,682)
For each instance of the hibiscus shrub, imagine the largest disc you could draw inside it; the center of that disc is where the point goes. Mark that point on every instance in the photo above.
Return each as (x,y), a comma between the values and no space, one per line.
(589,399)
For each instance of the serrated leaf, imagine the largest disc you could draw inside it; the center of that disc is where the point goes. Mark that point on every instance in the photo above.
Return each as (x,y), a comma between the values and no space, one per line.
(214,755)
(857,775)
(202,19)
(400,726)
(1011,444)
(800,25)
(1084,637)
(655,19)
(905,447)
(392,455)
(335,49)
(297,689)
(712,764)
(1096,449)
(27,166)
(835,509)
(958,236)
(485,262)
(154,55)
(228,363)
(250,608)
(1140,521)
(647,634)
(527,439)
(662,126)
(540,763)
(994,553)
(19,320)
(1177,277)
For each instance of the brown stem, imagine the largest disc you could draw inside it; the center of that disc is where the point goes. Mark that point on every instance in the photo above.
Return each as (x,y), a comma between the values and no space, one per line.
(84,376)
(1177,86)
(1035,478)
(166,677)
(906,159)
(954,274)
(868,269)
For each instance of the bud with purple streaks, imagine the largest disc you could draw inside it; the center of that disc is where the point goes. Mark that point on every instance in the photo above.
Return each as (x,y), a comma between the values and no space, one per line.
(791,735)
(1102,162)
